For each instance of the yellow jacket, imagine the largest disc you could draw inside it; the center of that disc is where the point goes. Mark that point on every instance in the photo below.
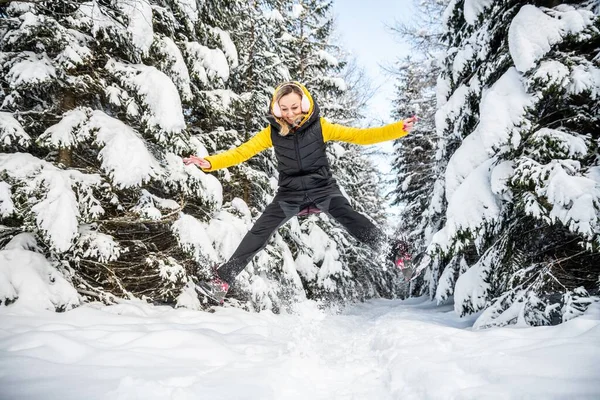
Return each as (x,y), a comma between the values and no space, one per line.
(262,141)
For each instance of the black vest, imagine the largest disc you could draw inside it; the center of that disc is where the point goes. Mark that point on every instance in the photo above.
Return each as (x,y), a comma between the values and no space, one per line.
(301,158)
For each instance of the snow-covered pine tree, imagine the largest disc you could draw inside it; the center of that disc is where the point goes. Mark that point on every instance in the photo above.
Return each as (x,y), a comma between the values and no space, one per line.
(238,23)
(415,162)
(523,190)
(92,126)
(420,157)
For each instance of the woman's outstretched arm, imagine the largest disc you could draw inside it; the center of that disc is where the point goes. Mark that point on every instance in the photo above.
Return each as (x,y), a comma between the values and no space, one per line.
(366,136)
(259,142)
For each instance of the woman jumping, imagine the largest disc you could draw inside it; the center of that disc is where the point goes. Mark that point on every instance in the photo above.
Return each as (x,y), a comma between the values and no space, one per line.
(298,134)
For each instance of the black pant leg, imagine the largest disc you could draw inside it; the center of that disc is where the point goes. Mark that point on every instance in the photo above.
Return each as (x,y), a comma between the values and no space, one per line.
(359,226)
(255,240)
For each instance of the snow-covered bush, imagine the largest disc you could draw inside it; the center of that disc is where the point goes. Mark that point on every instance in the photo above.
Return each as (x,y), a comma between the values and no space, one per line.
(26,276)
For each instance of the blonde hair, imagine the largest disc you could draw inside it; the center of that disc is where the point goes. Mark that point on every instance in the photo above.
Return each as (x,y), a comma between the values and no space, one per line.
(286,89)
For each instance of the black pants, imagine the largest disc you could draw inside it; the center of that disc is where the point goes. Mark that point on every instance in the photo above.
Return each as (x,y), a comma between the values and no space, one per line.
(280,211)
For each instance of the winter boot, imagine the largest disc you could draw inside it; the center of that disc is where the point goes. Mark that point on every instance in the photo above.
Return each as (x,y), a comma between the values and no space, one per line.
(215,289)
(401,257)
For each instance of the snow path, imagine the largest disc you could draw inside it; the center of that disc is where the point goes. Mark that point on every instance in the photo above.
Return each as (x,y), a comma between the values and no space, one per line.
(377,350)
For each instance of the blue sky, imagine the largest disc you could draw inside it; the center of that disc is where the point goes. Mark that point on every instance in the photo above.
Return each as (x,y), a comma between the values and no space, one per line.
(363,27)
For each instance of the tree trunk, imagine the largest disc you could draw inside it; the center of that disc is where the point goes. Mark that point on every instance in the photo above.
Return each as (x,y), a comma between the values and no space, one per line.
(65,153)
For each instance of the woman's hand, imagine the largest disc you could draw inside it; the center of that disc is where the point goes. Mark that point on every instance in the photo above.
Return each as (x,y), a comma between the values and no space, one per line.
(409,122)
(197,161)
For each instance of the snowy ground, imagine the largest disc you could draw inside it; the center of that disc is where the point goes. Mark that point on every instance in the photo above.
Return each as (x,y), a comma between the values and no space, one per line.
(377,350)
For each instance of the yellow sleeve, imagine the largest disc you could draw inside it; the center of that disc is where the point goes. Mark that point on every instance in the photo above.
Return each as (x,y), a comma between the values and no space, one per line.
(362,135)
(261,141)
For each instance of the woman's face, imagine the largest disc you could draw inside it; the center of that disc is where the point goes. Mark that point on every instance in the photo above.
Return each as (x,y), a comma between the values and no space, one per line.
(291,107)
